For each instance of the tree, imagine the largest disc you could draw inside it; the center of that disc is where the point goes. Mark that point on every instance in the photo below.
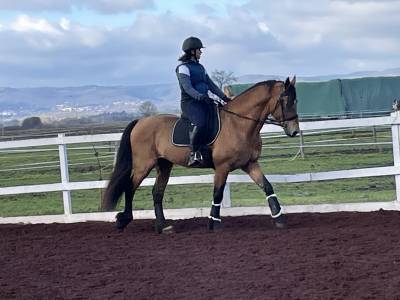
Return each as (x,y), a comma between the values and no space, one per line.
(32,122)
(147,108)
(222,78)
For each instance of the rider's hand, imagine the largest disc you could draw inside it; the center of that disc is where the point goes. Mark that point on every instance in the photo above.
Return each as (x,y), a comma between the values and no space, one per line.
(220,102)
(206,99)
(226,99)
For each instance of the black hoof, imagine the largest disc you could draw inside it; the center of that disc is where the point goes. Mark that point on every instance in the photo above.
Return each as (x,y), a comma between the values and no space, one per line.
(280,222)
(122,221)
(214,224)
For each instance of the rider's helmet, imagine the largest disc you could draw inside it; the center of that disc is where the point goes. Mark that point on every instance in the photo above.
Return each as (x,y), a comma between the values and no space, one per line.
(192,43)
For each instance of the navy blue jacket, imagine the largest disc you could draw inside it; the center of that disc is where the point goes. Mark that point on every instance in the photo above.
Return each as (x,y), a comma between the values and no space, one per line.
(194,82)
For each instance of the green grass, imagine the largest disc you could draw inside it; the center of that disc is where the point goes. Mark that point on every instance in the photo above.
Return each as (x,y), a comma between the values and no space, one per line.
(85,166)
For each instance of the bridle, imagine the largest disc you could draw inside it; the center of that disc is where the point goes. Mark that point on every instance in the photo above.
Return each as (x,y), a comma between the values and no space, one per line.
(278,104)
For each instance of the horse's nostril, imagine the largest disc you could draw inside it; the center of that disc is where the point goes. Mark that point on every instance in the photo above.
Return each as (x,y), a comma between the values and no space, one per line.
(294,133)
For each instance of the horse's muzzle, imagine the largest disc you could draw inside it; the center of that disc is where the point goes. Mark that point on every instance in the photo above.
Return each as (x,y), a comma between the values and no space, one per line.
(290,132)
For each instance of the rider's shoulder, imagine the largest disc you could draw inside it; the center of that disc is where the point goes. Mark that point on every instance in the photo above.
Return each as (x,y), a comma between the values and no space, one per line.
(183,69)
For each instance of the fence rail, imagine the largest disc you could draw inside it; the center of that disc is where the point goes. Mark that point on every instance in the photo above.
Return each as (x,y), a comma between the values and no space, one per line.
(66,186)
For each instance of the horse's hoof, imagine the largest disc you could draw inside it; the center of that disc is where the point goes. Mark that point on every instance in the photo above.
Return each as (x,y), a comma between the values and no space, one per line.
(214,224)
(122,221)
(162,227)
(280,222)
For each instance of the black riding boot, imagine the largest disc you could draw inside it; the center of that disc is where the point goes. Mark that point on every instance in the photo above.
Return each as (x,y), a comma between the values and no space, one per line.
(195,156)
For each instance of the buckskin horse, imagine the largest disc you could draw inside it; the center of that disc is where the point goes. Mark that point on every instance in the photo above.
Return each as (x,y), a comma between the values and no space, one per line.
(146,144)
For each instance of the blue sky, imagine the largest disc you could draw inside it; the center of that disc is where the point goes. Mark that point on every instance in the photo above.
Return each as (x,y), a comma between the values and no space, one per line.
(128,42)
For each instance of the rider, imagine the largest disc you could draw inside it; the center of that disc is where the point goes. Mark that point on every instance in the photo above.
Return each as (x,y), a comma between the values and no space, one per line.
(195,83)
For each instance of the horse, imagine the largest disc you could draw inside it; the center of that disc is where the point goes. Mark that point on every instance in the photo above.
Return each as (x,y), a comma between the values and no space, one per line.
(146,144)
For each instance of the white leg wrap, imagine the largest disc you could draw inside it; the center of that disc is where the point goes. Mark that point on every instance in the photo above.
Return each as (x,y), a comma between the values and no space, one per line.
(214,219)
(280,211)
(213,204)
(277,215)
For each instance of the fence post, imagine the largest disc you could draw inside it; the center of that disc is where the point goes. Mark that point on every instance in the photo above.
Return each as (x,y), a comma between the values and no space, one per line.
(396,149)
(62,151)
(301,144)
(116,148)
(226,199)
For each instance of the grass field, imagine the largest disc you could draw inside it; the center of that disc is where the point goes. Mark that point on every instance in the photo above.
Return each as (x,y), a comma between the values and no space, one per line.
(40,165)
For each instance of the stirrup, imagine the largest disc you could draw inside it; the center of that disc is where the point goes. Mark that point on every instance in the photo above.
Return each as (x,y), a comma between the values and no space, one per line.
(195,158)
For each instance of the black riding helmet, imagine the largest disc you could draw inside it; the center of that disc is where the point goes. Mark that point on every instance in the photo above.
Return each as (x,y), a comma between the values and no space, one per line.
(192,43)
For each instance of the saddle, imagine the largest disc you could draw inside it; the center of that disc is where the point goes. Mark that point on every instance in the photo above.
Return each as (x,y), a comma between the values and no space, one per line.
(182,127)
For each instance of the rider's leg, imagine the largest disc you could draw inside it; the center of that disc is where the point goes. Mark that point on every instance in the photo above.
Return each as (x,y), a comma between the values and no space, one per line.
(197,114)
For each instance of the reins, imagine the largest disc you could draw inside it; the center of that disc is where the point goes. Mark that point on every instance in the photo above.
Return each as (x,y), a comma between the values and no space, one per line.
(268,120)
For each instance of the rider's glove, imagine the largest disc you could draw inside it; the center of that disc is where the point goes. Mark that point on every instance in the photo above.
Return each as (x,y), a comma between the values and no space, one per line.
(226,98)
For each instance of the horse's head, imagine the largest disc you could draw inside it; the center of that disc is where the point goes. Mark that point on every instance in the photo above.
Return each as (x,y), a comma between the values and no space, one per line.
(286,108)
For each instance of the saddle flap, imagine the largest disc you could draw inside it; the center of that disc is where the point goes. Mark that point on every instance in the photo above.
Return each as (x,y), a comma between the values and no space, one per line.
(182,127)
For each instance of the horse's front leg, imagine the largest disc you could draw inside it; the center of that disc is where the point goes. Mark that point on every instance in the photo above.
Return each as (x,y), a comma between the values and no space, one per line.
(255,172)
(214,220)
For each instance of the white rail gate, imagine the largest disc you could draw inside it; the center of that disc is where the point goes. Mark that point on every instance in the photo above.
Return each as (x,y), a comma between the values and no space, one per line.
(66,186)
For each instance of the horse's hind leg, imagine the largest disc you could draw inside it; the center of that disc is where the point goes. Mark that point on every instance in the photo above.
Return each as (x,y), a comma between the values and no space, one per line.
(255,172)
(125,217)
(163,172)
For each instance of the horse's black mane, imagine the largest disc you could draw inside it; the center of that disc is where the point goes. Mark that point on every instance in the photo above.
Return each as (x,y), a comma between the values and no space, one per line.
(269,83)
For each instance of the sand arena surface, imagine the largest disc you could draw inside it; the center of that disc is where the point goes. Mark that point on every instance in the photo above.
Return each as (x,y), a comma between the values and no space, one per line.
(320,256)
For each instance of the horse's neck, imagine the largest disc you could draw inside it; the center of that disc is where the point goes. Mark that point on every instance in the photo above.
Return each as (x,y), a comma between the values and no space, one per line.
(253,105)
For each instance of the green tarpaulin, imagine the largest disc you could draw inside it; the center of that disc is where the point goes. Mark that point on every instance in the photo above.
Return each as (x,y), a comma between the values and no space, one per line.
(319,98)
(370,94)
(342,96)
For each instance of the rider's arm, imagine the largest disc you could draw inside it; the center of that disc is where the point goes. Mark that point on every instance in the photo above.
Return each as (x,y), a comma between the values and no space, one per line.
(184,80)
(216,90)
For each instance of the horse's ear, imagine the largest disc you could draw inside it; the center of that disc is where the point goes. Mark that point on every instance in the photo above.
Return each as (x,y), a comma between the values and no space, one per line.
(293,82)
(287,83)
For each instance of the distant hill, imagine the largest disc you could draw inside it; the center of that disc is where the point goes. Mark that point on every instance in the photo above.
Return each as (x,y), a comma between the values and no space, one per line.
(46,97)
(21,102)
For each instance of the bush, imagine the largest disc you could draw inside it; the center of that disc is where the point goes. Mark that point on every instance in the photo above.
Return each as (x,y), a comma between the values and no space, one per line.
(32,122)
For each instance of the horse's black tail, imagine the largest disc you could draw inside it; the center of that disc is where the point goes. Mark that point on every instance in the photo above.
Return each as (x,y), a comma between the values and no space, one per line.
(121,174)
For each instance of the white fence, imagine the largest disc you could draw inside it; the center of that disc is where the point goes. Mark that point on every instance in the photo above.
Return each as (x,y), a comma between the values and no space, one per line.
(66,186)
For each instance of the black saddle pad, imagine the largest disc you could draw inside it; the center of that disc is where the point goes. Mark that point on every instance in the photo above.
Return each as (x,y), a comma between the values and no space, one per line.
(182,127)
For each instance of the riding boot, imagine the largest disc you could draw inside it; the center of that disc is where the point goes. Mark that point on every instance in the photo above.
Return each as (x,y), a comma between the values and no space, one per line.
(195,156)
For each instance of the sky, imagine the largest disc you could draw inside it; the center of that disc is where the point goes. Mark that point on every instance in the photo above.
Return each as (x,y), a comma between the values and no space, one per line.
(135,42)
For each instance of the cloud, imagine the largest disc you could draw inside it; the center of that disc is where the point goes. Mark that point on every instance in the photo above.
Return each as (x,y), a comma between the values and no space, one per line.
(36,5)
(65,23)
(117,6)
(257,37)
(102,6)
(327,34)
(25,24)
